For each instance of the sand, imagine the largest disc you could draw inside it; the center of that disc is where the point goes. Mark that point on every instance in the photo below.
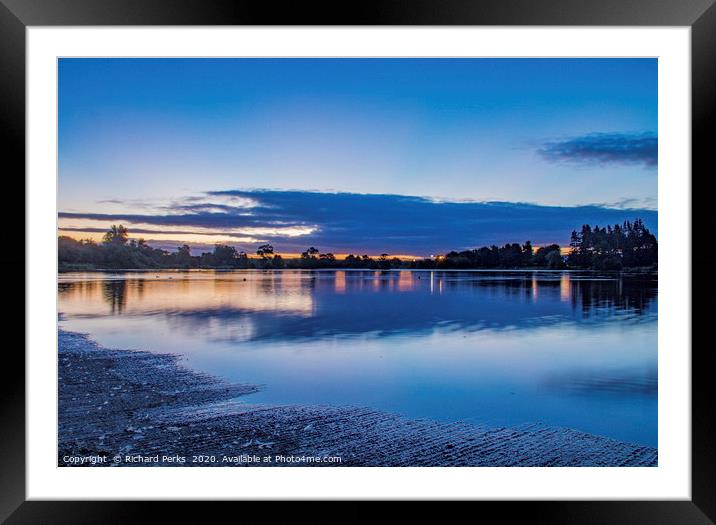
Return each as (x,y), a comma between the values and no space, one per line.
(137,408)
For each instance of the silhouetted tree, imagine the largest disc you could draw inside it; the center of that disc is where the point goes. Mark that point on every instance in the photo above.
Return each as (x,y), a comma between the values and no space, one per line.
(116,235)
(612,248)
(540,257)
(554,260)
(225,255)
(183,256)
(277,262)
(264,251)
(311,253)
(242,260)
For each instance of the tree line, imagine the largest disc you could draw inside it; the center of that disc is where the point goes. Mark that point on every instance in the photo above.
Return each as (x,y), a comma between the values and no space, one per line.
(628,245)
(609,248)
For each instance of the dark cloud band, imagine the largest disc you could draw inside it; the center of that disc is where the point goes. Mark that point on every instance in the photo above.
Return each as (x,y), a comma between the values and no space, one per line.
(397,224)
(605,148)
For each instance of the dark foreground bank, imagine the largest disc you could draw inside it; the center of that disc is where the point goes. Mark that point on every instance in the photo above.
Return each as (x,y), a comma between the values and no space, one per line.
(130,408)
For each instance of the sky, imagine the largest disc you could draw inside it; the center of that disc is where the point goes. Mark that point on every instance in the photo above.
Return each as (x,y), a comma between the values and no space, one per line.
(398,156)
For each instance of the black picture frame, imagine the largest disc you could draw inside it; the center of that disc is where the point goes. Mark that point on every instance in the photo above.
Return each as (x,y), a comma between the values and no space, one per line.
(699,15)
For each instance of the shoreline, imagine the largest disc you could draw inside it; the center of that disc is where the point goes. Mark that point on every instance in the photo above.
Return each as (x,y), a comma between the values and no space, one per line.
(148,410)
(632,271)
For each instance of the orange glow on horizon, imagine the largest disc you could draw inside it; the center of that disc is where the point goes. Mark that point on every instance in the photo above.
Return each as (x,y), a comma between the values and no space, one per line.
(208,239)
(214,239)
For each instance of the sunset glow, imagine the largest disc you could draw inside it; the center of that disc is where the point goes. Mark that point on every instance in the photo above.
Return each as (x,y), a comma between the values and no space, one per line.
(397,156)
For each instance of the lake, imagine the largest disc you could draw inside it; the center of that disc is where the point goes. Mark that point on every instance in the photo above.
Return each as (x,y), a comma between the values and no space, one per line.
(499,348)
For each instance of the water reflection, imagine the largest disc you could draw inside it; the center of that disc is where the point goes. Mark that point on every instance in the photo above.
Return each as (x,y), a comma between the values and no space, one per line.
(572,349)
(176,292)
(629,382)
(115,293)
(314,304)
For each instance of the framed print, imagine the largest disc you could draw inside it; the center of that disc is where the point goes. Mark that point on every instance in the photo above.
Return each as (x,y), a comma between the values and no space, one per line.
(416,254)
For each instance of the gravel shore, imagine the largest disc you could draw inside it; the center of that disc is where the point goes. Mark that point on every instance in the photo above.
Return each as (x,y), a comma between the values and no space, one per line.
(136,408)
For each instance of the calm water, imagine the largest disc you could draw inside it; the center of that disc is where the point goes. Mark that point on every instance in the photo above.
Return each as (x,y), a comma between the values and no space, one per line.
(499,348)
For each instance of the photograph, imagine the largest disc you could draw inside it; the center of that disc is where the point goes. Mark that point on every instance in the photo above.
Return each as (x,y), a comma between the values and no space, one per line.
(357,262)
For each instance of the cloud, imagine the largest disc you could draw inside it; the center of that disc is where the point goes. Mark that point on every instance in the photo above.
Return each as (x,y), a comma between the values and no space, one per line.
(605,148)
(364,223)
(649,203)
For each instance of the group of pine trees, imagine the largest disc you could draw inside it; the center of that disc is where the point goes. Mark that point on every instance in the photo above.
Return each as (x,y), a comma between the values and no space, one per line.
(611,248)
(628,245)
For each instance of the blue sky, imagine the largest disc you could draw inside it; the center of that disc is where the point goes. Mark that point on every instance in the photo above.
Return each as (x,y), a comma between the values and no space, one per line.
(177,148)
